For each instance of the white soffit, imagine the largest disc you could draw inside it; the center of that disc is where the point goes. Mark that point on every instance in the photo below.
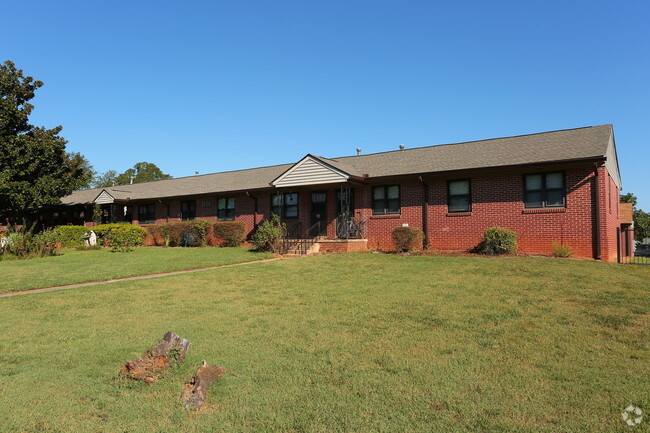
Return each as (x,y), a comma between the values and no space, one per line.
(310,171)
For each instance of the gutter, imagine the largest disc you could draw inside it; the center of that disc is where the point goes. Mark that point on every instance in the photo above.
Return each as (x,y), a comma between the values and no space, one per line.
(166,204)
(425,214)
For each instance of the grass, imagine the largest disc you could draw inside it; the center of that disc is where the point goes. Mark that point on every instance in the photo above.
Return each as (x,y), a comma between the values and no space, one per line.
(346,343)
(72,266)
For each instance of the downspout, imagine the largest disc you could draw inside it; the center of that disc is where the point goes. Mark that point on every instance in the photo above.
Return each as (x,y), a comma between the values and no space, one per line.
(596,193)
(166,204)
(254,210)
(425,214)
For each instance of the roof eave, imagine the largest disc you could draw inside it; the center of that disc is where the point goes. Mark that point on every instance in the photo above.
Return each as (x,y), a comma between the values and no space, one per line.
(489,168)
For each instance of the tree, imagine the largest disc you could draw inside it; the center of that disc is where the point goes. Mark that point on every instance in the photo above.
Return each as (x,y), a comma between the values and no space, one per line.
(141,172)
(641,218)
(629,198)
(35,168)
(108,178)
(641,225)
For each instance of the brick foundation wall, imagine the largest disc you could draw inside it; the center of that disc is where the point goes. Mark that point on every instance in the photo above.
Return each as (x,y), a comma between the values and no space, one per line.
(341,246)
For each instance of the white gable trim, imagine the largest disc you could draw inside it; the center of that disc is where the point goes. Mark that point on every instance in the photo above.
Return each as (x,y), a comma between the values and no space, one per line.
(612,162)
(310,171)
(104,197)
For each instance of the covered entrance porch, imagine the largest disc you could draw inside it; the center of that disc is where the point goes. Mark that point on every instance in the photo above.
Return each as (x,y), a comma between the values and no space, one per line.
(317,203)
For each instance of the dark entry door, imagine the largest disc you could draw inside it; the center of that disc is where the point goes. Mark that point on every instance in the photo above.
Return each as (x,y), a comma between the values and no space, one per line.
(319,211)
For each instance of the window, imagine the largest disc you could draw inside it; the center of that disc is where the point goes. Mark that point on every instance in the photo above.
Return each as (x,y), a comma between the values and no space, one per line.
(146,213)
(285,205)
(544,190)
(459,196)
(385,200)
(226,209)
(188,210)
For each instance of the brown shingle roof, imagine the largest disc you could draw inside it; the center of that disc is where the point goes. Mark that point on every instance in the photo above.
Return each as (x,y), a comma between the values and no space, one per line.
(564,145)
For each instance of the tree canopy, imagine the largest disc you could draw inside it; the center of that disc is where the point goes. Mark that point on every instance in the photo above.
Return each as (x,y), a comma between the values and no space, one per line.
(629,198)
(641,218)
(35,168)
(141,172)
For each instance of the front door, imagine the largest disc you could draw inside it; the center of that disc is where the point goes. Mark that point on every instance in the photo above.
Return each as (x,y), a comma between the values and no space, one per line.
(319,212)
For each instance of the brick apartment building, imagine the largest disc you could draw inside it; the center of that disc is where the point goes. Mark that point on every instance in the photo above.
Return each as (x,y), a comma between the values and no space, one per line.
(558,186)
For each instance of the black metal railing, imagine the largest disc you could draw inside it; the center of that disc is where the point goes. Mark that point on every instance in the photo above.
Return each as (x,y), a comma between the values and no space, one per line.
(632,250)
(297,241)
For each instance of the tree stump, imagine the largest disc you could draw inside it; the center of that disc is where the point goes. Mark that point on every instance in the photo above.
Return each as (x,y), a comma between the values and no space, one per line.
(156,360)
(195,388)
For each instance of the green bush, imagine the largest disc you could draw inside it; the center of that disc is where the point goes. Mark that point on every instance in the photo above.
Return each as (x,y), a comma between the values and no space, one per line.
(70,236)
(90,247)
(23,244)
(118,240)
(561,249)
(131,233)
(498,240)
(407,238)
(231,233)
(186,233)
(269,235)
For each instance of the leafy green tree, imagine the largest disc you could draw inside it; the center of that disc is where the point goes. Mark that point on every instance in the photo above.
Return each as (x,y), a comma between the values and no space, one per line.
(641,218)
(641,224)
(629,198)
(35,168)
(108,178)
(141,172)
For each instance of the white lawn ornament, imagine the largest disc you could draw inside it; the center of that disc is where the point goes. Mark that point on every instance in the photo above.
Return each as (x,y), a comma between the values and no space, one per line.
(92,240)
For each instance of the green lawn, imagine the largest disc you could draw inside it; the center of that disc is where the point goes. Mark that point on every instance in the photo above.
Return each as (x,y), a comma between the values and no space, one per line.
(72,266)
(342,343)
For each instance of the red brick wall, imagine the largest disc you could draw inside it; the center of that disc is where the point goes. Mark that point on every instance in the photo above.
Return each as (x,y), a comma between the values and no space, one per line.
(609,215)
(497,200)
(379,228)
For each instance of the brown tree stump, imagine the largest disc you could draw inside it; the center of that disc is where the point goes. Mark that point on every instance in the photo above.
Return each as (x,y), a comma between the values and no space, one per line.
(195,388)
(156,360)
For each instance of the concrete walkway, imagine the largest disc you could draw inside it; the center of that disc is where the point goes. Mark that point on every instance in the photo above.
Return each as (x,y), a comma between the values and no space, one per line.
(137,277)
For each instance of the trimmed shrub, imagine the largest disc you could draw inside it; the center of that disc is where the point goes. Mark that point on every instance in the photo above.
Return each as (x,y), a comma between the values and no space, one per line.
(118,239)
(186,233)
(561,249)
(231,233)
(498,240)
(90,247)
(269,235)
(70,236)
(131,233)
(407,238)
(155,235)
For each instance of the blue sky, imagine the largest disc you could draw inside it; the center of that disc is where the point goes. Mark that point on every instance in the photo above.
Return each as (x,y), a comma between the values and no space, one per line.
(214,86)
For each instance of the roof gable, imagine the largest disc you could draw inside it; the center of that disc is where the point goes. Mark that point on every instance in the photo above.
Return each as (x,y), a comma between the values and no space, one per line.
(104,197)
(612,162)
(310,170)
